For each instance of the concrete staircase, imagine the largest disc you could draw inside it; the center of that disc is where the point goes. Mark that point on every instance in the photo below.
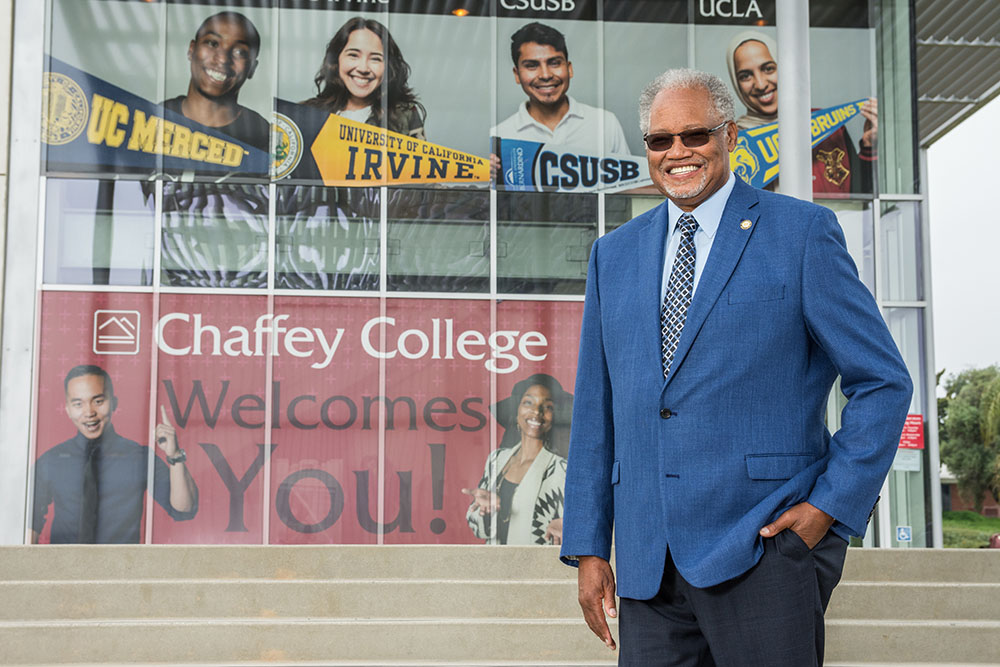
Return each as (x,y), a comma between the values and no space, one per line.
(426,605)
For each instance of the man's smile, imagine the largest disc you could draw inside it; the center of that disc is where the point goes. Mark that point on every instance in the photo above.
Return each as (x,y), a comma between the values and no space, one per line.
(216,75)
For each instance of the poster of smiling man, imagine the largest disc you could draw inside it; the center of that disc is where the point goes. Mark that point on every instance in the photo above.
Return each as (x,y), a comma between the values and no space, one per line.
(566,120)
(546,137)
(106,110)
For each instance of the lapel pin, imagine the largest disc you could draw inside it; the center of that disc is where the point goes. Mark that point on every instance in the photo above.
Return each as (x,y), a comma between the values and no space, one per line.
(745,224)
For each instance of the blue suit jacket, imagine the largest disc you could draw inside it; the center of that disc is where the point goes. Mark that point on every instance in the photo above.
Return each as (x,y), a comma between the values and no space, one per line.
(778,313)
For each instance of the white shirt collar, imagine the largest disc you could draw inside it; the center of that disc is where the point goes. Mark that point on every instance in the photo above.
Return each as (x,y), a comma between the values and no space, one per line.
(524,118)
(709,212)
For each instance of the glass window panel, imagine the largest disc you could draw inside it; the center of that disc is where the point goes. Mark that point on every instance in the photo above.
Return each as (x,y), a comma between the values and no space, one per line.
(516,90)
(906,479)
(619,209)
(211,391)
(855,218)
(553,328)
(896,91)
(543,242)
(219,84)
(98,232)
(531,416)
(902,255)
(325,423)
(438,240)
(311,85)
(327,238)
(437,407)
(86,334)
(452,84)
(741,49)
(305,31)
(412,88)
(214,235)
(536,103)
(720,44)
(103,81)
(841,46)
(656,29)
(906,326)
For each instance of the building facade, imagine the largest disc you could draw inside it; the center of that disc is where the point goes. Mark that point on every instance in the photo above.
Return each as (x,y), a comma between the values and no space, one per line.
(326,243)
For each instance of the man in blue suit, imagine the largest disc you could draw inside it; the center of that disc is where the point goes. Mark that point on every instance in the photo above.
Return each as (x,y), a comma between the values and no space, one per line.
(713,330)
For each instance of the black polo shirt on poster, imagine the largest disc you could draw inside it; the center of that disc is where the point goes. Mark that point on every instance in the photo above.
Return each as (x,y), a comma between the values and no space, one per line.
(121,486)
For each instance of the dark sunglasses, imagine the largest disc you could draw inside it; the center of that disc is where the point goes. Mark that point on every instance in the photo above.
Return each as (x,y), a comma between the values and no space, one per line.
(690,138)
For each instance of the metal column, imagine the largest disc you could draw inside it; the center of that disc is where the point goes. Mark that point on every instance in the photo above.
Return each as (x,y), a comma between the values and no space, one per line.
(794,114)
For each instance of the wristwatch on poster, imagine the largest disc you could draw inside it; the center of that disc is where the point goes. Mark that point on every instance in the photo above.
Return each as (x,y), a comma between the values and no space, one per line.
(180,457)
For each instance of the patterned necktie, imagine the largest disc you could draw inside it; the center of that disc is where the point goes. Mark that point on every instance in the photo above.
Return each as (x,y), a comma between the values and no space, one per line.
(680,287)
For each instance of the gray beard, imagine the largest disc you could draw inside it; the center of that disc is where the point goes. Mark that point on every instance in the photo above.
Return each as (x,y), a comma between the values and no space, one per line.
(674,194)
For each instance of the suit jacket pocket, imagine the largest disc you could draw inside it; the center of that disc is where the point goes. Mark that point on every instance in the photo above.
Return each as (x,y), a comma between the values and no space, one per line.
(616,471)
(751,293)
(777,466)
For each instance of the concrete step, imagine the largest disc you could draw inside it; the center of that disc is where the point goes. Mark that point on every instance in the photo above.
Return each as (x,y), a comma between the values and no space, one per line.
(913,642)
(339,598)
(914,601)
(293,641)
(357,562)
(93,562)
(455,640)
(241,598)
(426,605)
(977,566)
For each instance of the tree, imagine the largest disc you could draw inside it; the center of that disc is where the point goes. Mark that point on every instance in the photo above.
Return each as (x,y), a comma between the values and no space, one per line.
(969,428)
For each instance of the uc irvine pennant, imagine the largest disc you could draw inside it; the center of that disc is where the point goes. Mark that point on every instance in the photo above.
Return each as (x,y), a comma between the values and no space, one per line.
(314,144)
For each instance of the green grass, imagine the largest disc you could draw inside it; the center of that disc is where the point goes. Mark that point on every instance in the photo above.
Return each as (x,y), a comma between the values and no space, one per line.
(968,530)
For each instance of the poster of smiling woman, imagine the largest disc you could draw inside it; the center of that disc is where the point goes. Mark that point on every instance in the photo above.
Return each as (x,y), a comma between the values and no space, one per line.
(741,48)
(106,108)
(370,98)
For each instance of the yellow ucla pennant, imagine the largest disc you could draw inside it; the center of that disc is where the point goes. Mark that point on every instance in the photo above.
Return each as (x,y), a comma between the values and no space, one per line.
(755,158)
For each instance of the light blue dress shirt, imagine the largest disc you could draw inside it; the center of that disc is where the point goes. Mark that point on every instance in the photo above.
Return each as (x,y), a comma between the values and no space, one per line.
(708,214)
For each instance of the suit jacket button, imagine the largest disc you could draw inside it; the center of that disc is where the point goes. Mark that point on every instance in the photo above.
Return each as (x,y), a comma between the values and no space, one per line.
(666,413)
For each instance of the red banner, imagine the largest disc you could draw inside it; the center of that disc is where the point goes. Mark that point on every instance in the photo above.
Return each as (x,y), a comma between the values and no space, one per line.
(376,416)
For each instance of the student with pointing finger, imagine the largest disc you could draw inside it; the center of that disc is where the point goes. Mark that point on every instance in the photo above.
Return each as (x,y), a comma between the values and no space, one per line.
(96,480)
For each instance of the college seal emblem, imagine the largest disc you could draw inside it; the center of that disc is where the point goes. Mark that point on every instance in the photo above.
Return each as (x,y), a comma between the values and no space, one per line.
(64,109)
(287,146)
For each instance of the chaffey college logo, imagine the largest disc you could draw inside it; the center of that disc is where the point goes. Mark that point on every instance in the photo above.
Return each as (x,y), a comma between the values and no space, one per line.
(116,332)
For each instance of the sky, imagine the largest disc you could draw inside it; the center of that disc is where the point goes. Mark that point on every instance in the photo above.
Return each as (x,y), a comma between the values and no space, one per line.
(965,242)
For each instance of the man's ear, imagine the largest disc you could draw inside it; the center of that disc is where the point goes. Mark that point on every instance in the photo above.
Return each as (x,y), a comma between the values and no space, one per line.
(517,79)
(114,403)
(569,70)
(732,133)
(253,68)
(190,49)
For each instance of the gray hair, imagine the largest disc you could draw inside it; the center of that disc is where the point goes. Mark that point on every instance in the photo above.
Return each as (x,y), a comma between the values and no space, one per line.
(682,77)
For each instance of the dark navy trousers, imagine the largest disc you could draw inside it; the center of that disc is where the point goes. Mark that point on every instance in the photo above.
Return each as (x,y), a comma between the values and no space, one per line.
(770,615)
